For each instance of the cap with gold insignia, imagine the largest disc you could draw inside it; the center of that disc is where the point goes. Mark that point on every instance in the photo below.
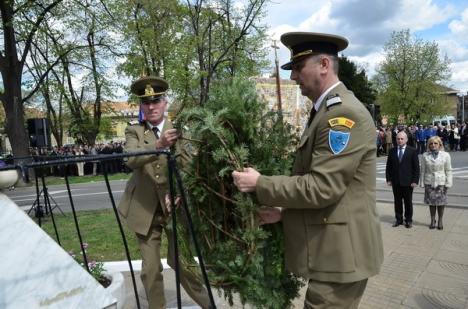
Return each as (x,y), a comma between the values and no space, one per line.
(303,44)
(149,88)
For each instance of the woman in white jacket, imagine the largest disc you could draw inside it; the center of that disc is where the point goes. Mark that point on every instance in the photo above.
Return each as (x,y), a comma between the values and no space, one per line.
(436,178)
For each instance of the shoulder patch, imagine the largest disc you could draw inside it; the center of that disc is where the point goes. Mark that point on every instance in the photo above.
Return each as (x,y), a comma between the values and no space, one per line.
(338,140)
(333,100)
(133,122)
(341,121)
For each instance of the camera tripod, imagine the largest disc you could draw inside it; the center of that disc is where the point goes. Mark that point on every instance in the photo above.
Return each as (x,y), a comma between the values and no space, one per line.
(40,210)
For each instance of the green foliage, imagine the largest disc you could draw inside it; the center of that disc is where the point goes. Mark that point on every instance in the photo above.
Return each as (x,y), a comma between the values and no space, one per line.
(356,80)
(408,79)
(193,44)
(234,130)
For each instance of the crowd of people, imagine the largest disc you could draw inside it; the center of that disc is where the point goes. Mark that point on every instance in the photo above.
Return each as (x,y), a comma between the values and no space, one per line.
(82,168)
(454,136)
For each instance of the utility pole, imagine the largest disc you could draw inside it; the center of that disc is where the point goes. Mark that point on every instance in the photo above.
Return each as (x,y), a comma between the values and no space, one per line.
(278,89)
(463,107)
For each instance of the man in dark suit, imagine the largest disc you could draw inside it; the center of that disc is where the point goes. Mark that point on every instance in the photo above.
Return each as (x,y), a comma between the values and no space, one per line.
(403,175)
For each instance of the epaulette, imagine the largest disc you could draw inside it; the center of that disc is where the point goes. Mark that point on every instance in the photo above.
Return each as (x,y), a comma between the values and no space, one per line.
(333,100)
(133,122)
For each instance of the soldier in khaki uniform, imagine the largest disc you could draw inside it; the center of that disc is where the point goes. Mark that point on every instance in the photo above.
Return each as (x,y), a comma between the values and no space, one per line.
(143,204)
(328,207)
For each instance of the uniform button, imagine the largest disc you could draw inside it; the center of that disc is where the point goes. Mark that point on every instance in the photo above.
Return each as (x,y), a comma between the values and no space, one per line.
(158,166)
(325,220)
(157,176)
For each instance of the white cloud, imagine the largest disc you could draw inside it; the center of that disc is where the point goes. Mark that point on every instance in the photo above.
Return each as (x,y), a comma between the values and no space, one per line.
(419,15)
(459,79)
(368,62)
(320,21)
(459,27)
(368,24)
(454,49)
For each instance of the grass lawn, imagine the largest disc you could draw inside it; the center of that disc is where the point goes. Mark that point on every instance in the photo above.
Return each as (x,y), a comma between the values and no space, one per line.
(54,180)
(100,231)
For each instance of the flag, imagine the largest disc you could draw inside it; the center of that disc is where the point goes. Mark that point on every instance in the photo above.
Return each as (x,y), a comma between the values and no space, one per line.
(141,115)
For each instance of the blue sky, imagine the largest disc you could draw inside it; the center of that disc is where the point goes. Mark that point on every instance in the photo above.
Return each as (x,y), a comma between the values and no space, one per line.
(367,24)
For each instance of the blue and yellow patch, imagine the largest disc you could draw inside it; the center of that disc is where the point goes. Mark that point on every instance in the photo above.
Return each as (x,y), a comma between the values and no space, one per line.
(338,140)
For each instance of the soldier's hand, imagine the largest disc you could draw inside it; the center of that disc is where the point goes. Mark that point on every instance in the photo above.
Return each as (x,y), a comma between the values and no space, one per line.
(167,139)
(168,203)
(246,181)
(389,183)
(269,215)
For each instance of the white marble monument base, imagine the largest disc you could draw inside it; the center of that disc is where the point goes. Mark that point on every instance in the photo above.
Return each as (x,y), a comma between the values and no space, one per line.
(35,272)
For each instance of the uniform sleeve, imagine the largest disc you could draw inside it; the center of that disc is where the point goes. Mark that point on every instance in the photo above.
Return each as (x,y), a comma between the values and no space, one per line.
(133,144)
(329,174)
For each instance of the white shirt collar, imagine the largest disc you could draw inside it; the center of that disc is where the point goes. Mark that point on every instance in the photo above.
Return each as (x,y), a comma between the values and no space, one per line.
(160,126)
(320,99)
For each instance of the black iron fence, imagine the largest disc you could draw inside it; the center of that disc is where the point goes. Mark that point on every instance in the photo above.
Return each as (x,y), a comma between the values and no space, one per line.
(33,167)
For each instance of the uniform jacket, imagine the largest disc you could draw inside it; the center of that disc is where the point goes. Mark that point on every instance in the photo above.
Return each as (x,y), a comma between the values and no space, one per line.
(145,191)
(331,226)
(403,173)
(436,172)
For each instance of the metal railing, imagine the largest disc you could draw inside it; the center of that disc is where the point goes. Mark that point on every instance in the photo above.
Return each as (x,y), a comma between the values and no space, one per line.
(36,163)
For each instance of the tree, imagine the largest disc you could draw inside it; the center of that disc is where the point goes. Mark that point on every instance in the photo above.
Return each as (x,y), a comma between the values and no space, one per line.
(194,43)
(224,37)
(20,25)
(356,80)
(242,257)
(408,78)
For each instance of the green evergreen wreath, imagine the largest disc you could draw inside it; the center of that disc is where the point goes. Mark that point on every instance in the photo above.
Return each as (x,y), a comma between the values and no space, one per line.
(232,130)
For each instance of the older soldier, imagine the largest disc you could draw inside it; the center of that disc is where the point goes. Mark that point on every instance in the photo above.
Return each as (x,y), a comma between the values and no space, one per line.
(143,203)
(328,208)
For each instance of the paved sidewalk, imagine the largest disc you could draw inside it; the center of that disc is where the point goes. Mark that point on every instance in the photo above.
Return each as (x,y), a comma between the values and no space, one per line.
(423,268)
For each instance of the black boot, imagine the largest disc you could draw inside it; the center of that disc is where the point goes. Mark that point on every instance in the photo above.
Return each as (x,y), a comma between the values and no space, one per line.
(440,212)
(432,210)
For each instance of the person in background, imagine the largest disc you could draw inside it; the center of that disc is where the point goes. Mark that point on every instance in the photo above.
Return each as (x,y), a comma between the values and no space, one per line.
(436,178)
(421,140)
(388,139)
(463,136)
(402,173)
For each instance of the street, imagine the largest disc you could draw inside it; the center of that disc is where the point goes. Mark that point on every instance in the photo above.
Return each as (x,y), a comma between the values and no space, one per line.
(95,196)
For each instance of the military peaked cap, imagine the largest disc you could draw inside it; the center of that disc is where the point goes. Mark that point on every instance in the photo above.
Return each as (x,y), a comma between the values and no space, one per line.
(149,88)
(303,44)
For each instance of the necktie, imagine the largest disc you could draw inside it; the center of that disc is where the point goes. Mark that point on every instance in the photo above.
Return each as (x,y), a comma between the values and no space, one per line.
(156,132)
(311,116)
(400,153)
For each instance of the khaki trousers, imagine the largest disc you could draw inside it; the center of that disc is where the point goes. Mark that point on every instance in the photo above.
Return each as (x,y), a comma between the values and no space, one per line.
(333,295)
(151,272)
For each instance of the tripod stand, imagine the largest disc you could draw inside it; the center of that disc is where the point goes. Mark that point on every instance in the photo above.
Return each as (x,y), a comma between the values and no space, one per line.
(36,206)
